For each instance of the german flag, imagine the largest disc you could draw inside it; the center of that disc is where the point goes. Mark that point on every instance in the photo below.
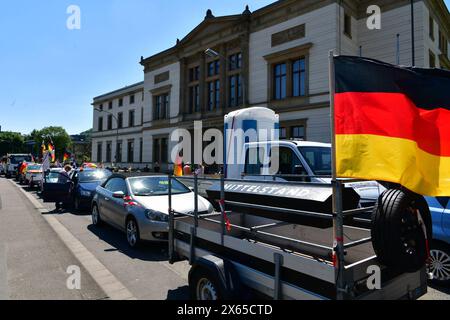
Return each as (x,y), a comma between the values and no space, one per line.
(67,156)
(178,167)
(393,124)
(51,149)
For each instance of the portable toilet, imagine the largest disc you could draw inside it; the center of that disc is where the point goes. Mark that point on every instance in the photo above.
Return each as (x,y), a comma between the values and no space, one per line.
(256,124)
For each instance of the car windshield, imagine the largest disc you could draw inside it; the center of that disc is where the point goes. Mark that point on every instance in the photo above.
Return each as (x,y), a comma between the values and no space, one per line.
(318,158)
(93,175)
(17,159)
(34,168)
(156,186)
(53,177)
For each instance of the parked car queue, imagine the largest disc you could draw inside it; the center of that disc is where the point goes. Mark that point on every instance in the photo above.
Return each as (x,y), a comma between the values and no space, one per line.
(138,206)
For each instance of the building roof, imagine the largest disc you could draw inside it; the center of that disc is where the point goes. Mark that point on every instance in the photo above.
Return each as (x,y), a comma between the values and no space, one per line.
(122,91)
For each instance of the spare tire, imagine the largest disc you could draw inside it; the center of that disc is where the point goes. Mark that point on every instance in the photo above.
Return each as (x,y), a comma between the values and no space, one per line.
(398,237)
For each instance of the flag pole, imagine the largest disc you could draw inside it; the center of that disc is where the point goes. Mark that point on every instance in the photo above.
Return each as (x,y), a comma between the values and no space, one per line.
(338,217)
(332,84)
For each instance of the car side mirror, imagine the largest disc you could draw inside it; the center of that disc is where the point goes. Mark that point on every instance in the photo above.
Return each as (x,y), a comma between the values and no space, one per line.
(118,195)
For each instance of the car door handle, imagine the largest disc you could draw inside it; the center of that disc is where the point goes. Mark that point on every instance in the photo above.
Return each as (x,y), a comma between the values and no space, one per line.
(106,199)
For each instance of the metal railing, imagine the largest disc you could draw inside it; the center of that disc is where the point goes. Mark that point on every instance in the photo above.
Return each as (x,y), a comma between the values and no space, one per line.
(337,250)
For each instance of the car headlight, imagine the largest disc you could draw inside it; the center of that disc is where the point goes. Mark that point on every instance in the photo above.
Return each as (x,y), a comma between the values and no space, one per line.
(210,208)
(156,215)
(85,193)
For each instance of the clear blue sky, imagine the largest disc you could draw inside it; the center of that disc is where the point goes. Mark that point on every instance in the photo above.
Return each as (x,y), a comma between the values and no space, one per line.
(50,74)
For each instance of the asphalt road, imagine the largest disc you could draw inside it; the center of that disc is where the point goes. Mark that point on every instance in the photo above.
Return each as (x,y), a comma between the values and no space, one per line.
(33,260)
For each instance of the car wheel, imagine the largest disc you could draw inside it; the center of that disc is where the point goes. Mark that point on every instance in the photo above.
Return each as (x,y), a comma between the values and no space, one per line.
(96,220)
(204,286)
(440,264)
(133,237)
(397,236)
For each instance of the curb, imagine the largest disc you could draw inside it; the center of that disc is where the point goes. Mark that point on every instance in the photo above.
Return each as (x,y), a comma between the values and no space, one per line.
(112,287)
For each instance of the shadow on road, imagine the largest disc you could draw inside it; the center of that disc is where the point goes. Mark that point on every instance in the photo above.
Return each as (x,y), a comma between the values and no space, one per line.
(181,293)
(117,240)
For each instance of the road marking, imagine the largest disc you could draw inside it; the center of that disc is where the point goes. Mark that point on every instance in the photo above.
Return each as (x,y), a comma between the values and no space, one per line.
(112,287)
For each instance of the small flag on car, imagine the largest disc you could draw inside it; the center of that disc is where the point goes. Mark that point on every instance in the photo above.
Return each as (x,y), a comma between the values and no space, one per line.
(51,149)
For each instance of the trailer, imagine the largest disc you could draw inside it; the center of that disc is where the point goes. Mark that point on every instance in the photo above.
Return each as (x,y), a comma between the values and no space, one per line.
(277,252)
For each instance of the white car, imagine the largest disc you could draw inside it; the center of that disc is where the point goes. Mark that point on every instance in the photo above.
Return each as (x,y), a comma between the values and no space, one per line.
(139,205)
(33,175)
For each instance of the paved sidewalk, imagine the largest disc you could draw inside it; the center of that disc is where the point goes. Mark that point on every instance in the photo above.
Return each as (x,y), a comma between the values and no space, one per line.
(33,259)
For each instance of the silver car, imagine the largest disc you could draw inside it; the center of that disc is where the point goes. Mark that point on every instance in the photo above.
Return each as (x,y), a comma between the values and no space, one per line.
(139,205)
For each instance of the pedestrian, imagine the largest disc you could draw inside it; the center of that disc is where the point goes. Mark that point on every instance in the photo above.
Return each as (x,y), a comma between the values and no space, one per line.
(187,171)
(64,178)
(156,167)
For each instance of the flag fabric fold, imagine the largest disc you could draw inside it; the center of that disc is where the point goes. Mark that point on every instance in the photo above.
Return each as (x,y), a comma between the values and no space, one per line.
(393,124)
(51,150)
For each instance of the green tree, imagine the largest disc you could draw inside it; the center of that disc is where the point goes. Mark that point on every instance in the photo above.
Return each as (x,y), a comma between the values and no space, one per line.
(11,142)
(59,136)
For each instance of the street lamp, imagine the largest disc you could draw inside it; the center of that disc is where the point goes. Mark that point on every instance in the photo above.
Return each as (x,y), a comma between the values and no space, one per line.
(211,53)
(214,54)
(116,157)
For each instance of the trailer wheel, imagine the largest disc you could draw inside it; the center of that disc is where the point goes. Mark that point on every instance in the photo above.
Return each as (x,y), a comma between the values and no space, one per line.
(204,286)
(398,238)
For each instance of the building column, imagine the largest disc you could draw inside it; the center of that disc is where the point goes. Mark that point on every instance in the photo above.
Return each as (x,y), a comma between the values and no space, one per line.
(183,106)
(245,47)
(202,83)
(223,77)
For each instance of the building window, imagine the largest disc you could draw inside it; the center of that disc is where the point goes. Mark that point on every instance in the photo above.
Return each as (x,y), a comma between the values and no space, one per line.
(283,133)
(160,150)
(156,151)
(142,116)
(235,87)
(121,102)
(100,107)
(213,95)
(161,107)
(120,120)
(99,152)
(431,24)
(194,74)
(279,81)
(132,99)
(119,151)
(110,105)
(235,61)
(298,132)
(131,118)
(130,151)
(108,151)
(110,118)
(299,78)
(141,149)
(347,25)
(100,124)
(194,90)
(443,44)
(213,68)
(194,99)
(432,60)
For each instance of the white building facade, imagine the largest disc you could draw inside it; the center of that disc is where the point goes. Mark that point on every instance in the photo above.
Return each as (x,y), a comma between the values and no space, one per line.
(275,57)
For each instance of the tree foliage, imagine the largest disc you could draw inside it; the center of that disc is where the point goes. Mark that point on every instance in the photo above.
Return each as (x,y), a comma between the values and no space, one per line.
(58,135)
(11,142)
